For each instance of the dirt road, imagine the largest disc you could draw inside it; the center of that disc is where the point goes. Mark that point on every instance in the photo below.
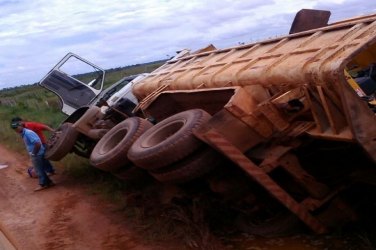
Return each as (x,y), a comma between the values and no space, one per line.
(63,217)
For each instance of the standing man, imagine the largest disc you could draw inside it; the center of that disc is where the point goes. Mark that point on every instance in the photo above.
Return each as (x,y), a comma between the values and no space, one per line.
(36,151)
(38,128)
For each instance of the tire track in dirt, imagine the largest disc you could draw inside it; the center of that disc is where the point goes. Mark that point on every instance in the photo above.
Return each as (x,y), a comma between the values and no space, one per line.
(58,231)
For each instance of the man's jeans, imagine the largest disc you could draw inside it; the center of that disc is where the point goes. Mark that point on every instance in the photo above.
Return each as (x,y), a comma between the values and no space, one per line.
(38,163)
(48,168)
(47,164)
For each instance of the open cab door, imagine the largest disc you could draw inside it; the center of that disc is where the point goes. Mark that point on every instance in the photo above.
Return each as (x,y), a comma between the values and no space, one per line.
(76,81)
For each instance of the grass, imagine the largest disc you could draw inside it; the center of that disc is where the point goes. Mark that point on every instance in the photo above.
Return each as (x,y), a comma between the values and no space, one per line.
(182,219)
(367,240)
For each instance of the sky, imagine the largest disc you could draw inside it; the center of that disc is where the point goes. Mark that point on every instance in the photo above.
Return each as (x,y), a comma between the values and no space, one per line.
(35,35)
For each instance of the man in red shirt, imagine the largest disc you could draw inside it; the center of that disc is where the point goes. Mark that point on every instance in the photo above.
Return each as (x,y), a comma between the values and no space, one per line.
(38,128)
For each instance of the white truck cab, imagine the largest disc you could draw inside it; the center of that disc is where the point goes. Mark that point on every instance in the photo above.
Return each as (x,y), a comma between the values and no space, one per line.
(91,109)
(79,83)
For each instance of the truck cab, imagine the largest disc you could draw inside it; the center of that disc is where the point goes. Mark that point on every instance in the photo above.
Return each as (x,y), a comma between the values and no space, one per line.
(90,108)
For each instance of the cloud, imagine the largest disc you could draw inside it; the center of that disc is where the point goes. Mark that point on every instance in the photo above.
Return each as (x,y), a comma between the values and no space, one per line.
(35,35)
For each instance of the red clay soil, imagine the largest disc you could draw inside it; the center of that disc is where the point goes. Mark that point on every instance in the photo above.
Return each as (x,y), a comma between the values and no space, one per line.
(61,217)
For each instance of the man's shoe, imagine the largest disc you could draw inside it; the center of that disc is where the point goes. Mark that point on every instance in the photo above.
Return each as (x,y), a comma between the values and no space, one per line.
(51,184)
(40,188)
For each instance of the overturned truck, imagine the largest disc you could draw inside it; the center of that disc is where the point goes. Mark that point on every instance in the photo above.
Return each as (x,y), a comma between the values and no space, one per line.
(295,113)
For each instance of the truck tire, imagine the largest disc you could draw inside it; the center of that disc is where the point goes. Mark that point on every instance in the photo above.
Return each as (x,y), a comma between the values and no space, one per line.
(110,153)
(168,141)
(194,166)
(61,142)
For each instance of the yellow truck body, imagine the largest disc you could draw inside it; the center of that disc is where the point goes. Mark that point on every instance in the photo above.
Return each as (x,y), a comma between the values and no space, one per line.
(273,93)
(308,66)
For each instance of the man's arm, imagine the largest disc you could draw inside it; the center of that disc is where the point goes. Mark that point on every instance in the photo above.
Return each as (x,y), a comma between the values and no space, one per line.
(37,126)
(49,128)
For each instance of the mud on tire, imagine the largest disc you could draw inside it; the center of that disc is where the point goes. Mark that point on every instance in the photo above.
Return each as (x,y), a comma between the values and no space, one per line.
(110,153)
(169,141)
(61,142)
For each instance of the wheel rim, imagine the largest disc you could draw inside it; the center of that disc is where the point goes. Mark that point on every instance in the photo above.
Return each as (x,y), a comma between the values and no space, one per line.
(54,139)
(113,141)
(163,133)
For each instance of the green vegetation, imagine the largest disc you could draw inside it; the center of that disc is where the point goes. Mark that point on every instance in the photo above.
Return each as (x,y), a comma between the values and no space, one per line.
(113,75)
(32,102)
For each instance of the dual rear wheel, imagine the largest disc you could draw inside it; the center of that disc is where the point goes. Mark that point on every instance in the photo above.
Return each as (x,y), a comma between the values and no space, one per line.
(169,151)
